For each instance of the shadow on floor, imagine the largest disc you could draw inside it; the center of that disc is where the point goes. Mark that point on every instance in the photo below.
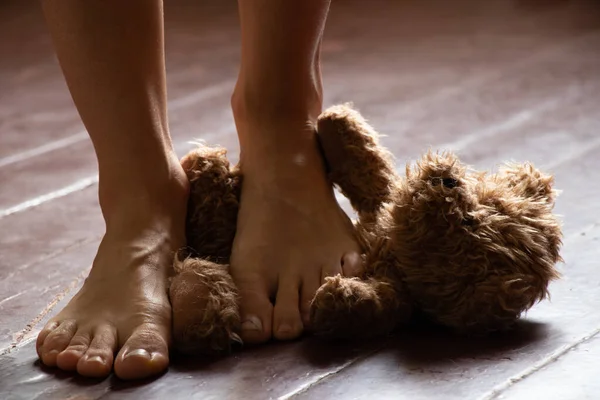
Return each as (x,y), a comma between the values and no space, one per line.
(426,345)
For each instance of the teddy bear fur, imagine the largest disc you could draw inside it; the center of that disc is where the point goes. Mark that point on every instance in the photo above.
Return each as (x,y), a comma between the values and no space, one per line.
(468,250)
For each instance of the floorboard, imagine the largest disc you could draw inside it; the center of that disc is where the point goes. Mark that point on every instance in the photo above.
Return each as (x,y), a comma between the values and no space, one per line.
(578,366)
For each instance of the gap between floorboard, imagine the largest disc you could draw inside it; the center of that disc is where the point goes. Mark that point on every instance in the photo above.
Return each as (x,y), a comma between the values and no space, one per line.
(553,357)
(30,327)
(306,387)
(74,187)
(183,102)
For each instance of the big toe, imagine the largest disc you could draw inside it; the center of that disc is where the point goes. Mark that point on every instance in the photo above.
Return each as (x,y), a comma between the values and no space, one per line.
(145,353)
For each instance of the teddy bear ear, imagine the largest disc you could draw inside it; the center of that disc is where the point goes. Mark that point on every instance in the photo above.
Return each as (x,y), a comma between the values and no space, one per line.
(527,181)
(439,165)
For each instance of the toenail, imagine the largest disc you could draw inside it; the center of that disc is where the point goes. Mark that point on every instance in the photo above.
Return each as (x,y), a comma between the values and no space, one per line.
(351,264)
(252,323)
(95,359)
(138,352)
(284,328)
(52,326)
(50,356)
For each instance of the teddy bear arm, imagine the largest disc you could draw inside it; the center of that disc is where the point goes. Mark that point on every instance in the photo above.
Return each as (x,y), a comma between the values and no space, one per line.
(355,308)
(362,169)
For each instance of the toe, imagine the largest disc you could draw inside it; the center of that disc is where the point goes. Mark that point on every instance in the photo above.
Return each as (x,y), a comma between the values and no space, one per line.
(287,323)
(98,359)
(256,310)
(56,341)
(144,354)
(50,326)
(68,358)
(352,264)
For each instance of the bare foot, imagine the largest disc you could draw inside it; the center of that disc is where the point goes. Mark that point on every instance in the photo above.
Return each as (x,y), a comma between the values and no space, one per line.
(123,305)
(291,231)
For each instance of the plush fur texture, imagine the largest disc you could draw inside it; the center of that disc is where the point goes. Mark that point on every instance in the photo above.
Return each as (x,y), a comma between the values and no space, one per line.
(467,250)
(203,296)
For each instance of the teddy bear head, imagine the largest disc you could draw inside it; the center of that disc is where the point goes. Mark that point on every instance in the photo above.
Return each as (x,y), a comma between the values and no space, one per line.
(475,249)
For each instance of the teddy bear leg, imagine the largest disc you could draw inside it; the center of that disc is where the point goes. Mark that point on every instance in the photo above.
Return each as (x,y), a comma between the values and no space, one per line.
(206,315)
(354,308)
(213,203)
(362,169)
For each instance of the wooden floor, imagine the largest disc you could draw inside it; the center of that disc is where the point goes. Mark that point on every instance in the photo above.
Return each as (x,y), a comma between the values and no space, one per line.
(494,79)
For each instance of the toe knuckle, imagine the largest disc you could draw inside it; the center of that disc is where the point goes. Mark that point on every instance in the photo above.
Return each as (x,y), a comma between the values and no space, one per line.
(57,338)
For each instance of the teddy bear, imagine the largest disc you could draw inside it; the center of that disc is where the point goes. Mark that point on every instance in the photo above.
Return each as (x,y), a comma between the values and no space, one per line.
(467,250)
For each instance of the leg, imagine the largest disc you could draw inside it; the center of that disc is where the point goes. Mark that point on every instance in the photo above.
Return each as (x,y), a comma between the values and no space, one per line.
(214,202)
(111,53)
(291,232)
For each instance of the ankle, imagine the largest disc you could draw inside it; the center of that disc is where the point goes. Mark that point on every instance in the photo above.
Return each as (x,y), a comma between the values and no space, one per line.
(276,102)
(274,126)
(144,193)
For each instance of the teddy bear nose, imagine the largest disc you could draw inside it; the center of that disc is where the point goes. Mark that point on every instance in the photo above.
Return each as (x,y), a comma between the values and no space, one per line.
(450,183)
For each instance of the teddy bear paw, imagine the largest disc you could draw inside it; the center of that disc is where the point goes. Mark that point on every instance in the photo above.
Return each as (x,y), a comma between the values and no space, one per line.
(350,307)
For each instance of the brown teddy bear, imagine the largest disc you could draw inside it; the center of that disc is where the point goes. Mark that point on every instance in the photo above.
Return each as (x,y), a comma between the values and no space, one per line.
(467,250)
